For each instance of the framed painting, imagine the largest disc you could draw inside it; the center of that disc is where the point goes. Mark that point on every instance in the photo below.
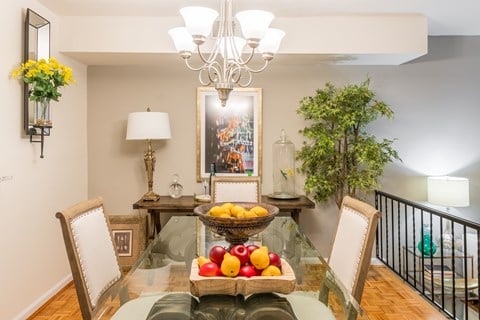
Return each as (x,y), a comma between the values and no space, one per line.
(230,136)
(123,242)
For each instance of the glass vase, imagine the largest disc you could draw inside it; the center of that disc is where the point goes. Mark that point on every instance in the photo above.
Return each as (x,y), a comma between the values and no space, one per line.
(175,189)
(42,113)
(284,168)
(426,245)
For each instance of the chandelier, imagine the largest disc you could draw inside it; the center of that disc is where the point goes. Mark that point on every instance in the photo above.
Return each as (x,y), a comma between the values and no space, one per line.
(227,64)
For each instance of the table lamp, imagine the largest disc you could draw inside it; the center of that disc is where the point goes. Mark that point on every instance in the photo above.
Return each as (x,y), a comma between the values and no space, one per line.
(149,126)
(448,191)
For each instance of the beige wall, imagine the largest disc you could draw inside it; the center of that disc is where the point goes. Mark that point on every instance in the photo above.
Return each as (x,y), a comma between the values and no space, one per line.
(434,114)
(33,259)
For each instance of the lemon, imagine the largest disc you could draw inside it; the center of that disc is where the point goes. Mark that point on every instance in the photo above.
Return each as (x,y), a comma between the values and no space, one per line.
(230,265)
(260,211)
(271,270)
(236,210)
(250,214)
(259,258)
(240,215)
(216,211)
(227,206)
(225,215)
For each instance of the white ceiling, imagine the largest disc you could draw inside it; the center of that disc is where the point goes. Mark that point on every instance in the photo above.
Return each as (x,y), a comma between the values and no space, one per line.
(445,17)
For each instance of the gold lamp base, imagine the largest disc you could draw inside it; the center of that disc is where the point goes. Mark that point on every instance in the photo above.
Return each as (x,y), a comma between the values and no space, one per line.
(150,196)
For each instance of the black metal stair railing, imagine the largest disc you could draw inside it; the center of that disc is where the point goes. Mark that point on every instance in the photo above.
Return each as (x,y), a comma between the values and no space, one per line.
(438,254)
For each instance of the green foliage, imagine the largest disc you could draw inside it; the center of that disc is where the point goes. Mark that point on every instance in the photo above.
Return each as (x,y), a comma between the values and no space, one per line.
(339,157)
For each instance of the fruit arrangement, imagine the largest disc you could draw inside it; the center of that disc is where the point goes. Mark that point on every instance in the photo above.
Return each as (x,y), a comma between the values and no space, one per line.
(241,260)
(230,210)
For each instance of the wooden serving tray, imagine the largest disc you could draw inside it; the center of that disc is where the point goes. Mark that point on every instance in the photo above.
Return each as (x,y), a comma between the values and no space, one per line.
(201,286)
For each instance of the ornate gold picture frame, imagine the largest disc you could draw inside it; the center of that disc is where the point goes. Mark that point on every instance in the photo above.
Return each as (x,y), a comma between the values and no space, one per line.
(230,136)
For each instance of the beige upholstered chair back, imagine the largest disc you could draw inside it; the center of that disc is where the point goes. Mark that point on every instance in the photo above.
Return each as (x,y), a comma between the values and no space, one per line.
(352,245)
(238,189)
(91,253)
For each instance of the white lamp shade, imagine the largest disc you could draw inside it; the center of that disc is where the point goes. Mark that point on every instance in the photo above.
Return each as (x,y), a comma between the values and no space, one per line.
(199,20)
(230,43)
(271,42)
(148,125)
(448,191)
(182,39)
(254,23)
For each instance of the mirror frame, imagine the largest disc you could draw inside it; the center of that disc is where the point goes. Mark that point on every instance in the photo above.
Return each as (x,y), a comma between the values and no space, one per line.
(36,46)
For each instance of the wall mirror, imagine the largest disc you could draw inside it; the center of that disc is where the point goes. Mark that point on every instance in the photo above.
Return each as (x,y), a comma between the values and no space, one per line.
(36,47)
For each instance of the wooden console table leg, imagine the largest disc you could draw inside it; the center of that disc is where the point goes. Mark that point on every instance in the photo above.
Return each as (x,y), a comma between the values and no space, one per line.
(295,214)
(156,225)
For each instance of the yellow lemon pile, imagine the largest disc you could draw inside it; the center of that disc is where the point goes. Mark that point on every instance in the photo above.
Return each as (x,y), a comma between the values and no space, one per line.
(230,210)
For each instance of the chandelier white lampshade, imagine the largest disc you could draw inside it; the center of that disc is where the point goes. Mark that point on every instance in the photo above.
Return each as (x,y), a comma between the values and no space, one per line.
(271,42)
(233,46)
(182,39)
(148,126)
(199,20)
(227,65)
(448,191)
(254,23)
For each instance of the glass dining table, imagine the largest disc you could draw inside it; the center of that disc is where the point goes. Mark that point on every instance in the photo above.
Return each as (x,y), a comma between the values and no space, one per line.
(159,285)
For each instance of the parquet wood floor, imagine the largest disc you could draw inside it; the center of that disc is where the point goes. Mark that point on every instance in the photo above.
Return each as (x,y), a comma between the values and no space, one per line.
(385,297)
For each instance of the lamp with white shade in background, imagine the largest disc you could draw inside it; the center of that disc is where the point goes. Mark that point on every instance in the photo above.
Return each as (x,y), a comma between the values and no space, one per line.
(149,126)
(448,192)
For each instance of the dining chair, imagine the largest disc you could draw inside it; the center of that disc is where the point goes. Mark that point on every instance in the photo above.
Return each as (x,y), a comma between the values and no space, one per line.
(349,259)
(238,189)
(91,254)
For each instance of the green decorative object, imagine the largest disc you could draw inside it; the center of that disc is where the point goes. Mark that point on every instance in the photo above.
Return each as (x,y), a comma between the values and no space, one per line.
(340,157)
(426,245)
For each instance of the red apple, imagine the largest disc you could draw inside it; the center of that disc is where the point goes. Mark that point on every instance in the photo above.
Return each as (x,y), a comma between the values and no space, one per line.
(275,259)
(252,247)
(247,271)
(216,254)
(209,269)
(241,252)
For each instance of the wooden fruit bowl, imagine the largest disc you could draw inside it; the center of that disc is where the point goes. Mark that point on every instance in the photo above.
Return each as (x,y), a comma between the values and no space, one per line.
(201,286)
(236,230)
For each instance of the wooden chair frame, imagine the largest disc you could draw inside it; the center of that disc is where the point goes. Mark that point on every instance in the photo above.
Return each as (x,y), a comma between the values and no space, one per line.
(65,217)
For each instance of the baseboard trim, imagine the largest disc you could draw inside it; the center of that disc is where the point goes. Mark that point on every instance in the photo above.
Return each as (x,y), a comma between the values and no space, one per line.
(37,304)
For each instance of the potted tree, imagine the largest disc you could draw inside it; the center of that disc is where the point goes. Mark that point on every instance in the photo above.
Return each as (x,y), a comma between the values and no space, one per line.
(340,157)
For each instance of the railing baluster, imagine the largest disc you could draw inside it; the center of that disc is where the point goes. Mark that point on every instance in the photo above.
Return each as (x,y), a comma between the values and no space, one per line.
(442,264)
(393,234)
(465,275)
(399,238)
(406,241)
(413,250)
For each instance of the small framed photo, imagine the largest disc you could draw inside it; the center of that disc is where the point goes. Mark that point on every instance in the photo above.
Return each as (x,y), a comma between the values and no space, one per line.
(124,242)
(230,136)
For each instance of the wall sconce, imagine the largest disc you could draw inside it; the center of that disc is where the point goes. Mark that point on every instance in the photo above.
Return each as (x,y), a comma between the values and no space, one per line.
(36,47)
(149,126)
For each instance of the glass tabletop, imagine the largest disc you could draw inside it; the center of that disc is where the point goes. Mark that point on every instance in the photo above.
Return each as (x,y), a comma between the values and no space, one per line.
(159,285)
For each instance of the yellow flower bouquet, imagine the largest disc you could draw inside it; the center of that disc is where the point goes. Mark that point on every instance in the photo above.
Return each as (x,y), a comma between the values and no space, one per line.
(44,78)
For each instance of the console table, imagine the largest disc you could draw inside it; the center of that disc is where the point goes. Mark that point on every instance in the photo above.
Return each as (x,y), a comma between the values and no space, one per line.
(167,204)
